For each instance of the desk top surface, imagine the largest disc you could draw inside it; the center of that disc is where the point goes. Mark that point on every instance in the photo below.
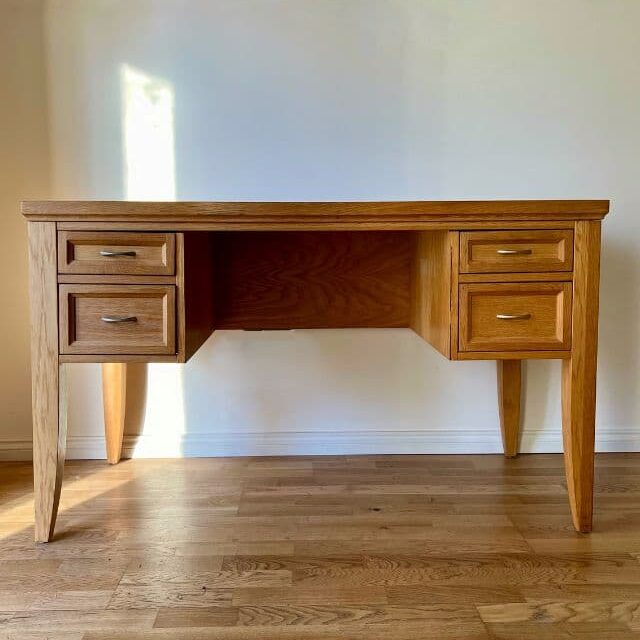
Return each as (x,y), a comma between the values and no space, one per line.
(389,214)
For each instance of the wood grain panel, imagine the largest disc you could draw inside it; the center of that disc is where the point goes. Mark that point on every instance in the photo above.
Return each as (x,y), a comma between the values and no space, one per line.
(431,288)
(546,276)
(114,279)
(319,212)
(83,330)
(442,223)
(514,354)
(195,310)
(81,253)
(542,310)
(490,251)
(301,280)
(117,357)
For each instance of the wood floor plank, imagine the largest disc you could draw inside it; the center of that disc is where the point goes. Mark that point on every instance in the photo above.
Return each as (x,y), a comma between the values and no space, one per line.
(288,615)
(384,631)
(337,596)
(45,635)
(70,621)
(354,547)
(574,631)
(206,579)
(156,595)
(451,594)
(622,612)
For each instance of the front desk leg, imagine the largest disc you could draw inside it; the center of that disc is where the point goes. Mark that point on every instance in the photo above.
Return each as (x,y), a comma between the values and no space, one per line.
(48,377)
(509,392)
(579,376)
(114,395)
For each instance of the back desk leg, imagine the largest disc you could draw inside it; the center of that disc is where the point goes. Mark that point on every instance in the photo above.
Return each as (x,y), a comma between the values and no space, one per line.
(114,396)
(509,392)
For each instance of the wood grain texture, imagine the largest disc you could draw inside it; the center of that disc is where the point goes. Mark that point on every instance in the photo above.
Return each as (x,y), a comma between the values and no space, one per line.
(455,297)
(47,376)
(114,279)
(579,376)
(347,224)
(300,280)
(323,547)
(431,284)
(284,213)
(543,322)
(547,251)
(546,276)
(80,253)
(515,354)
(114,398)
(509,393)
(117,357)
(196,291)
(82,330)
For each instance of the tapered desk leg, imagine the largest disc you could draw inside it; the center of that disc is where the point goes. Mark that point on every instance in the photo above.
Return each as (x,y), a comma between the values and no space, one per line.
(509,391)
(48,379)
(579,376)
(114,394)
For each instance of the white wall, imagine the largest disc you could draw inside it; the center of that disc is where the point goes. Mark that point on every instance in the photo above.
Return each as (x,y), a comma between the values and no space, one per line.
(352,99)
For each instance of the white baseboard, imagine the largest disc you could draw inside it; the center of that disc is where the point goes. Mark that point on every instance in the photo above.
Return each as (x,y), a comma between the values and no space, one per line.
(322,443)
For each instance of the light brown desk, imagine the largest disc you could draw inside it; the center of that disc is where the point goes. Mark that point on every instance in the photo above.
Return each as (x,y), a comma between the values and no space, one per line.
(118,282)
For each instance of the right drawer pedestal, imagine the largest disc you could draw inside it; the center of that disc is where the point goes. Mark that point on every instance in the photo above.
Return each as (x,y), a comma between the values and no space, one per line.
(501,313)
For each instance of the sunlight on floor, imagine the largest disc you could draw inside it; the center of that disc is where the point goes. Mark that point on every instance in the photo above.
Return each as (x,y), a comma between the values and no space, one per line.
(17,515)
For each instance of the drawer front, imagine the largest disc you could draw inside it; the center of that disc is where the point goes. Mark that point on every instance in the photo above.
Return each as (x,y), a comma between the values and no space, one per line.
(113,319)
(515,316)
(112,252)
(516,251)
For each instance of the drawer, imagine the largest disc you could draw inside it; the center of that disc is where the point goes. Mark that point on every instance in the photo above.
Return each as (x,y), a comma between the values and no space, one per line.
(515,316)
(117,319)
(112,252)
(516,251)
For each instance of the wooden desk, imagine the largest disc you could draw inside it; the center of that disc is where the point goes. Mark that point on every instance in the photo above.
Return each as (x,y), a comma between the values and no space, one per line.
(118,282)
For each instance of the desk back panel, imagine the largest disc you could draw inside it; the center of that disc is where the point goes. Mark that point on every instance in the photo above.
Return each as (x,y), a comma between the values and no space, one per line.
(311,280)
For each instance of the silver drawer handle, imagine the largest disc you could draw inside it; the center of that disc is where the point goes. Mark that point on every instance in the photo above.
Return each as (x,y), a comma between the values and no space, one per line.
(119,319)
(117,254)
(517,316)
(514,252)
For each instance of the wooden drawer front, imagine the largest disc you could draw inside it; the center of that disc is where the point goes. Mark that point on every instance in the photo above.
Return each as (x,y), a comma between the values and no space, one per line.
(516,251)
(535,316)
(112,252)
(142,319)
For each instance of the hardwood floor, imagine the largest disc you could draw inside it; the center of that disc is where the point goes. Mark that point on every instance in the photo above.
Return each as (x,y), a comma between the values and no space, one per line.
(356,548)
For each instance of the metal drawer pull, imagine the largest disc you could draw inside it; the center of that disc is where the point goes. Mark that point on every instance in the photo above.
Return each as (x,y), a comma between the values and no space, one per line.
(517,316)
(119,319)
(514,252)
(117,254)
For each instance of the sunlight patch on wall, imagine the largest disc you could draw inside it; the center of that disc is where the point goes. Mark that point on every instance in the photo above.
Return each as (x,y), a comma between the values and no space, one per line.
(150,174)
(148,128)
